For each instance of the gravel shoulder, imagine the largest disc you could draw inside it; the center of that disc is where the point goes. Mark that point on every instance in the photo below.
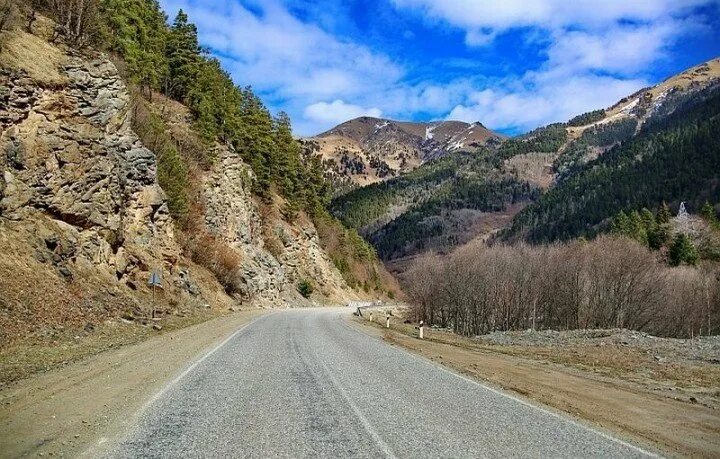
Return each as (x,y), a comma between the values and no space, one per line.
(65,410)
(640,410)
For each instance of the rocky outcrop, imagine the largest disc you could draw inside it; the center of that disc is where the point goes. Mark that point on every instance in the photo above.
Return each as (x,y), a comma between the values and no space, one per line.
(275,255)
(74,173)
(82,214)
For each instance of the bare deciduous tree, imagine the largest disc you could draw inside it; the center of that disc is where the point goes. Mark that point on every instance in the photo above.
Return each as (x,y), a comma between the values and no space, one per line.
(77,20)
(610,282)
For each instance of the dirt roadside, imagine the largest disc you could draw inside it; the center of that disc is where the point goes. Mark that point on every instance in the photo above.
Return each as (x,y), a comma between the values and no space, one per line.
(629,410)
(67,410)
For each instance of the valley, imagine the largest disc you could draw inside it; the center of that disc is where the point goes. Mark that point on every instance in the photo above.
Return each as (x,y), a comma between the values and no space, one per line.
(554,178)
(320,229)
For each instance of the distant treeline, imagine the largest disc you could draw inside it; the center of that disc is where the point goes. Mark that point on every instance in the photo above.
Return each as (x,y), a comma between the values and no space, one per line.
(606,283)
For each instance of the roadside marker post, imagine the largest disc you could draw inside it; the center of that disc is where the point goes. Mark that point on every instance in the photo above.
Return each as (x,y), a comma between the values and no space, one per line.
(387,321)
(421,329)
(371,316)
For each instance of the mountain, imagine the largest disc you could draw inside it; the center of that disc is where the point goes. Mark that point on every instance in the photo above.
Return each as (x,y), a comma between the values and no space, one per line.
(367,150)
(657,145)
(560,181)
(104,183)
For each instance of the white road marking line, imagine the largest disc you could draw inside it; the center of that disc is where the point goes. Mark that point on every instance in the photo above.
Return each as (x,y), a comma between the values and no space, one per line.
(91,451)
(363,420)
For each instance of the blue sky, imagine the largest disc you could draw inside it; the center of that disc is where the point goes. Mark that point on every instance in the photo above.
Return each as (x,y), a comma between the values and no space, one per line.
(512,64)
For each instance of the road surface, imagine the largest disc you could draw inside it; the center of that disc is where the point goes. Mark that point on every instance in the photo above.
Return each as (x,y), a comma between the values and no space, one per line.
(308,384)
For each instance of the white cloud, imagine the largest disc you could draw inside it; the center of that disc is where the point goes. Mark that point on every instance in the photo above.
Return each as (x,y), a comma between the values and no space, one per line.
(623,50)
(541,101)
(594,54)
(474,15)
(337,111)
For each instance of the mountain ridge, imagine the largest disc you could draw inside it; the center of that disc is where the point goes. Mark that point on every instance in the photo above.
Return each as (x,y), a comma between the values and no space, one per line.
(446,203)
(367,150)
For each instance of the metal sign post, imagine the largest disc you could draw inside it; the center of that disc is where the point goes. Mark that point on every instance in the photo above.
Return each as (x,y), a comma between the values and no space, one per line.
(155,281)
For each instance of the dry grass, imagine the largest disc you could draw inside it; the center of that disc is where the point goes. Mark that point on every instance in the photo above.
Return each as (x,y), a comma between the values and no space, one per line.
(223,261)
(41,60)
(628,363)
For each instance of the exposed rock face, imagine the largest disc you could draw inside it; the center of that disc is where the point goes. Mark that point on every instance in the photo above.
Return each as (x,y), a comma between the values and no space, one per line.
(82,218)
(74,157)
(232,213)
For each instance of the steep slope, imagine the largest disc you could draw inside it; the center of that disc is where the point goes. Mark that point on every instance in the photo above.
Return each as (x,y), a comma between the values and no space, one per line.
(82,219)
(366,150)
(446,203)
(674,157)
(85,218)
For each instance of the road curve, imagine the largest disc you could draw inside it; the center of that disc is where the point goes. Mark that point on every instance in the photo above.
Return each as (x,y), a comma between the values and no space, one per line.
(306,384)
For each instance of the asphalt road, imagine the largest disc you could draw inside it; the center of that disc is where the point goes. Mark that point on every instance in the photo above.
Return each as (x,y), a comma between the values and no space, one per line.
(307,384)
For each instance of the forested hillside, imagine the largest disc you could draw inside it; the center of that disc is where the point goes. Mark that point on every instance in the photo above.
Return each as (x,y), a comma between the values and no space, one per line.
(673,158)
(444,202)
(652,146)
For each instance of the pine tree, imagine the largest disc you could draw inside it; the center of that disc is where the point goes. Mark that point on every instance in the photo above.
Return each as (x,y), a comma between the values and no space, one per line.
(708,213)
(254,141)
(138,32)
(621,224)
(663,215)
(648,220)
(683,250)
(183,55)
(286,175)
(637,228)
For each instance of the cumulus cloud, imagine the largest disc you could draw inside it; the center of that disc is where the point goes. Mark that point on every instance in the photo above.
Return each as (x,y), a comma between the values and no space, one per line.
(474,16)
(275,52)
(337,111)
(594,53)
(537,102)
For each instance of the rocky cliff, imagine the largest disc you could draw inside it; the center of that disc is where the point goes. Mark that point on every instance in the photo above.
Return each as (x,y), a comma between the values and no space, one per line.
(275,255)
(83,221)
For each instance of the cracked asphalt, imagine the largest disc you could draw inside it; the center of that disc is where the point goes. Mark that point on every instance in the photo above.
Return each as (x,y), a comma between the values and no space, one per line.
(304,383)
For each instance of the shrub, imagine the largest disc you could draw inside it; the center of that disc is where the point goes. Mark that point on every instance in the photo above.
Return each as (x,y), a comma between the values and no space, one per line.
(305,288)
(682,251)
(172,172)
(219,258)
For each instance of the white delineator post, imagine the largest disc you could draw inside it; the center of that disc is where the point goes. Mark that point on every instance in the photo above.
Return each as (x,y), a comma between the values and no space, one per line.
(387,321)
(421,329)
(371,317)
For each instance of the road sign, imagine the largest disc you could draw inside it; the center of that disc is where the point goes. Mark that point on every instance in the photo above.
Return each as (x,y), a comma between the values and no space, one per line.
(155,279)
